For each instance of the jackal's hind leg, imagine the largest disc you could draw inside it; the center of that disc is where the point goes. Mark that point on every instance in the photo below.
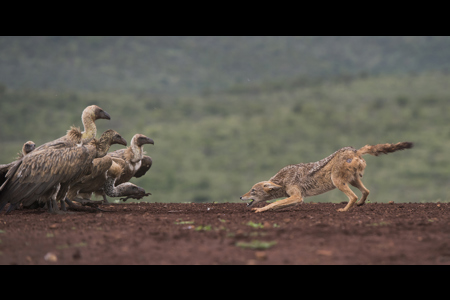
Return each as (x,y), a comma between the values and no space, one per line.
(365,192)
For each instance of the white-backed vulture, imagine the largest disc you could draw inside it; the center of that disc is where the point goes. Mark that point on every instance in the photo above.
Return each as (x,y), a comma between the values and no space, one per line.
(74,136)
(132,156)
(47,174)
(135,160)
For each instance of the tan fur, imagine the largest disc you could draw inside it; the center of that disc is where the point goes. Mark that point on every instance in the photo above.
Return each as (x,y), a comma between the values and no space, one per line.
(338,170)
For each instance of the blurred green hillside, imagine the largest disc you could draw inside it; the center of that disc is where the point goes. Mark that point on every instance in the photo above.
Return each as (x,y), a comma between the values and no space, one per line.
(217,135)
(190,65)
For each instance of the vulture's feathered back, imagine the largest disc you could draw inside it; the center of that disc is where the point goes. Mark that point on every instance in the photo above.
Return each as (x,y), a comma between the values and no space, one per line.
(41,171)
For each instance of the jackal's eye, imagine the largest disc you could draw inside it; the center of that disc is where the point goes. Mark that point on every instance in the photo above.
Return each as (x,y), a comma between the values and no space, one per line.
(252,191)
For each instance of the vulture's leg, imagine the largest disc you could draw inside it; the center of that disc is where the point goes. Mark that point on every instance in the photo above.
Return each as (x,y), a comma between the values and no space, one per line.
(3,206)
(49,206)
(11,208)
(63,205)
(60,197)
(54,206)
(105,200)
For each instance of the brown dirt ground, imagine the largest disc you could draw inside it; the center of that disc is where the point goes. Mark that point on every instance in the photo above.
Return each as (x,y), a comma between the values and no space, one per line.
(222,233)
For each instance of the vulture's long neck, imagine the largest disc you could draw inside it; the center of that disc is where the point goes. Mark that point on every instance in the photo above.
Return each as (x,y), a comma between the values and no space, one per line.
(103,146)
(116,191)
(90,130)
(109,188)
(24,151)
(136,151)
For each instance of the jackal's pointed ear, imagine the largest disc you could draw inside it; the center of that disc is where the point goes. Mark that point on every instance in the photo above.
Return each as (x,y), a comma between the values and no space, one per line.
(271,186)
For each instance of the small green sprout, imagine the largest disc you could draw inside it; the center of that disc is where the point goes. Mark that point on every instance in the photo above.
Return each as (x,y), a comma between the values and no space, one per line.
(255,225)
(206,228)
(256,245)
(184,222)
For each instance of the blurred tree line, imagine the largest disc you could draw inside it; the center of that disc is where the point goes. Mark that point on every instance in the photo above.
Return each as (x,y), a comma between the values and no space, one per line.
(193,64)
(213,146)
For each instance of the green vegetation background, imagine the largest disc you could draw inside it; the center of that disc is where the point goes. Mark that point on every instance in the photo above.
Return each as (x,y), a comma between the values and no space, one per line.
(227,112)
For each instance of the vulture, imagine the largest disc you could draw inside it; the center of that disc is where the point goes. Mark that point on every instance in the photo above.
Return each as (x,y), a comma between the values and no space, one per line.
(46,174)
(127,189)
(75,136)
(104,178)
(136,164)
(26,148)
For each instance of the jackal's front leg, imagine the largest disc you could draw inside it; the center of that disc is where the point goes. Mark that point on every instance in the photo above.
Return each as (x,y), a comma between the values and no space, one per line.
(295,197)
(343,186)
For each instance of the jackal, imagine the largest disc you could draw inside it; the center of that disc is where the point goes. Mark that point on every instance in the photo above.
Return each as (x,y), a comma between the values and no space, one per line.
(343,167)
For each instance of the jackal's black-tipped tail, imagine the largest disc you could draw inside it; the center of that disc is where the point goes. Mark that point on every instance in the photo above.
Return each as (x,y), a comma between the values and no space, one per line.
(375,150)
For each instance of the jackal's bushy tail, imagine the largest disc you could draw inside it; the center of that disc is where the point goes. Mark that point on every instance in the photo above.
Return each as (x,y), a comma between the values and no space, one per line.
(384,148)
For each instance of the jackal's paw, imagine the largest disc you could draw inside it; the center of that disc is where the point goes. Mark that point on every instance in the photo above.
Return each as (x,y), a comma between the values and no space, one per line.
(257,210)
(341,209)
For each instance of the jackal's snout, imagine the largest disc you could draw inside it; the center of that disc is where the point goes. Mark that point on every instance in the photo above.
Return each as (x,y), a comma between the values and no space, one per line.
(249,196)
(261,191)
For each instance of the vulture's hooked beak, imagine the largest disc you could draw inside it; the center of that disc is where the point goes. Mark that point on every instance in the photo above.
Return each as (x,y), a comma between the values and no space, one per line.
(122,141)
(104,115)
(142,140)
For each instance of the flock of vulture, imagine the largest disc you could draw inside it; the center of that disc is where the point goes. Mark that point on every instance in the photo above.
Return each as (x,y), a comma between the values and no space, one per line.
(73,167)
